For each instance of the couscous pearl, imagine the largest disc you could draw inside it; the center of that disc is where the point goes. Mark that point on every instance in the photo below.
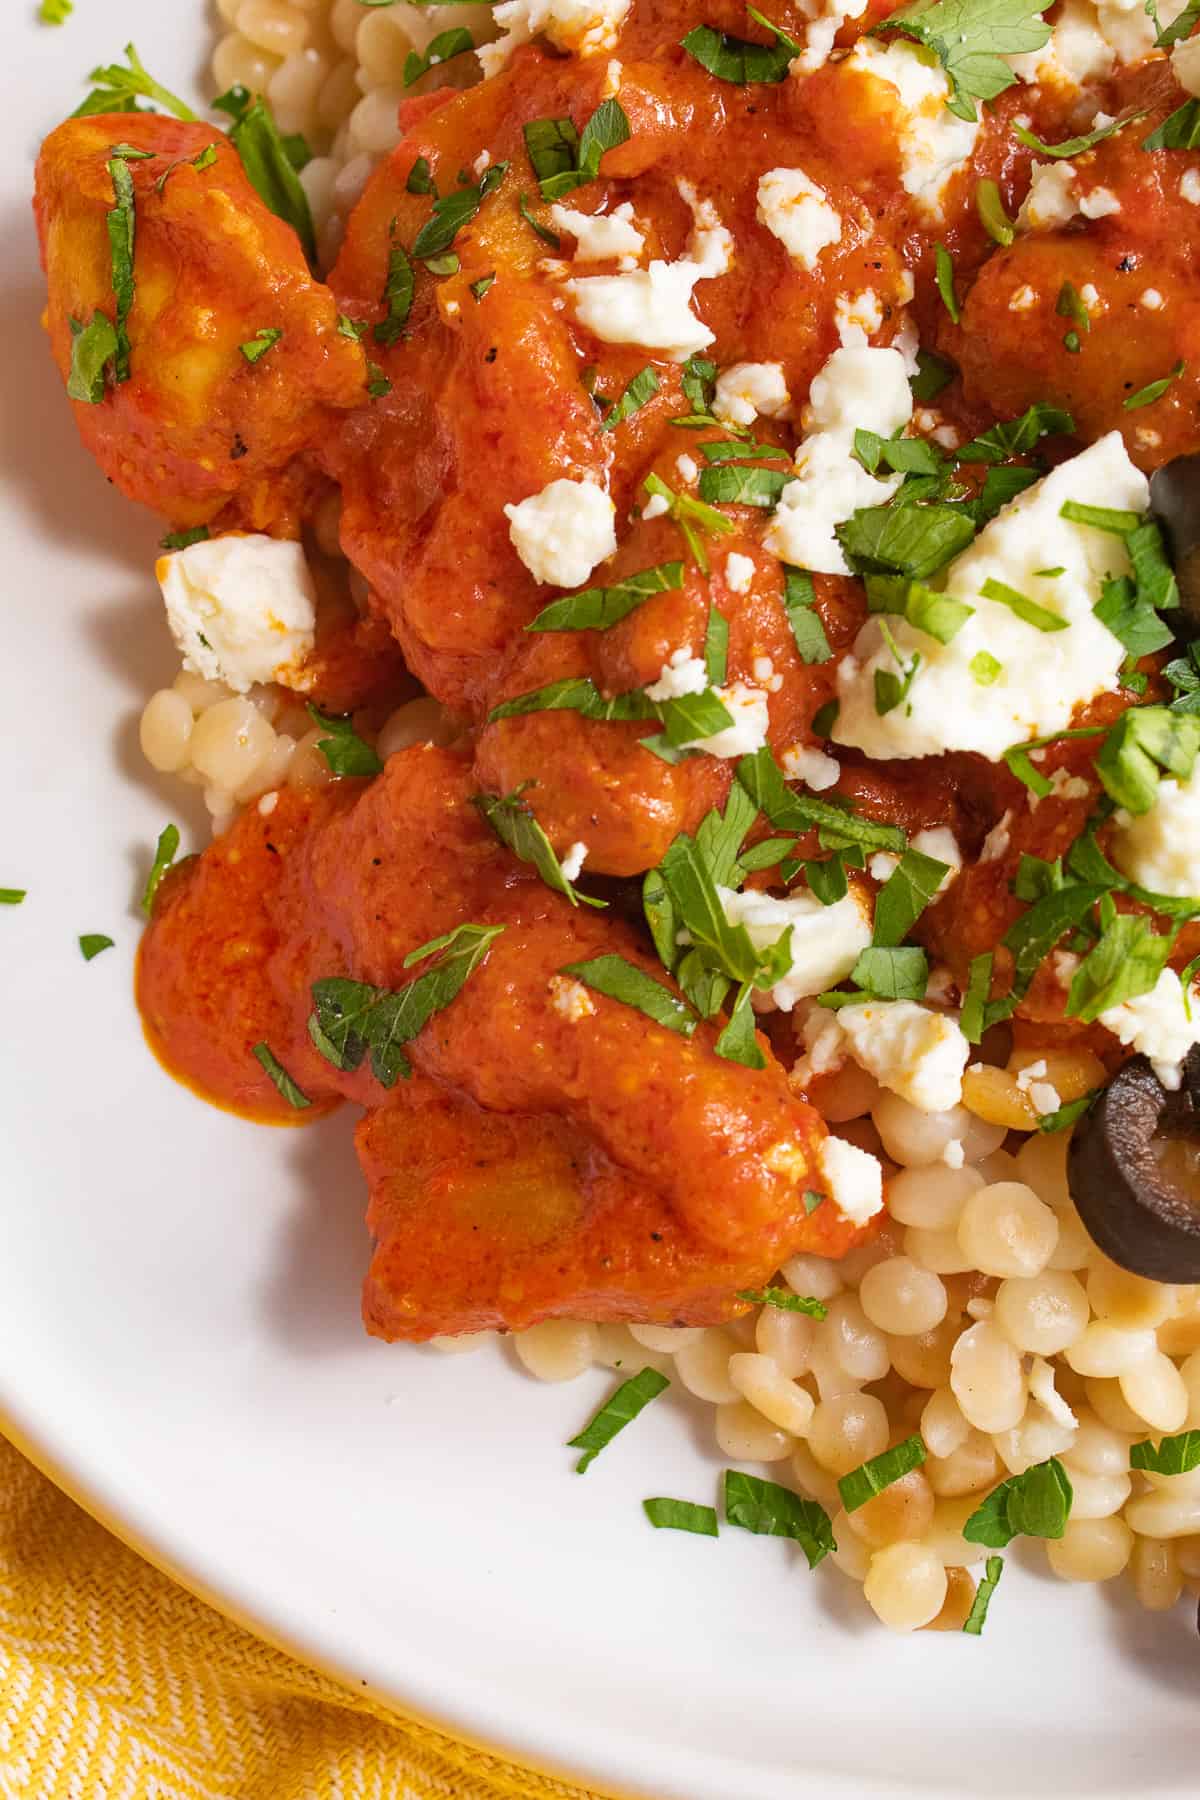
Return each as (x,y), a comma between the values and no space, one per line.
(847,1335)
(744,1435)
(913,1138)
(165,731)
(1006,1230)
(787,1338)
(1098,1450)
(1090,1550)
(1127,1299)
(815,1276)
(902,1511)
(852,1555)
(987,1379)
(967,1470)
(1156,1391)
(901,1298)
(1157,1580)
(1107,1350)
(558,1350)
(1041,1313)
(905,1586)
(229,742)
(667,1338)
(1162,1515)
(942,1424)
(930,1198)
(779,1400)
(847,1430)
(703,1367)
(1098,1496)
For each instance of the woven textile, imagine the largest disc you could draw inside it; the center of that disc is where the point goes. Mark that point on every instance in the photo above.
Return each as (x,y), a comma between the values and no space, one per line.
(115,1684)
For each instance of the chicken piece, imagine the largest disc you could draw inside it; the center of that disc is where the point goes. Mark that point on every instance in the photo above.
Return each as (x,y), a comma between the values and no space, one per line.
(637,1128)
(197,424)
(1087,312)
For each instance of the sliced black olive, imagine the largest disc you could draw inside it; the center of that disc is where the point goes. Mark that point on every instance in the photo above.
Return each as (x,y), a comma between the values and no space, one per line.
(1175,502)
(1129,1172)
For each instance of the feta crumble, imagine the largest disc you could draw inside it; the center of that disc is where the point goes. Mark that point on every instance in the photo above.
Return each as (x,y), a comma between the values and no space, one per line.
(746,390)
(681,674)
(826,940)
(1051,200)
(816,770)
(652,307)
(739,573)
(796,211)
(857,316)
(241,608)
(909,1049)
(562,533)
(1160,849)
(1101,203)
(854,1178)
(857,387)
(933,143)
(1157,1025)
(1189,186)
(600,236)
(747,707)
(572,863)
(570,999)
(1044,675)
(587,27)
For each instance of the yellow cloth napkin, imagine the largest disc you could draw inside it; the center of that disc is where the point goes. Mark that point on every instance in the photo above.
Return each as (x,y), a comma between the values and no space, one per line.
(115,1684)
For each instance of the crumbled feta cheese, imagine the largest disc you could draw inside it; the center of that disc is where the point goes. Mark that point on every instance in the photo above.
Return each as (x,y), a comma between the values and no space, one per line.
(826,940)
(682,674)
(824,23)
(857,316)
(1076,54)
(854,1177)
(824,1043)
(1051,199)
(1023,299)
(882,866)
(996,843)
(916,1053)
(856,388)
(1185,65)
(572,863)
(744,390)
(907,341)
(816,770)
(1041,1386)
(1160,849)
(1101,203)
(481,164)
(570,999)
(933,143)
(586,27)
(562,533)
(656,506)
(796,211)
(1063,786)
(711,243)
(940,842)
(747,707)
(1089,293)
(612,81)
(599,236)
(1152,300)
(1044,675)
(1189,186)
(739,575)
(653,306)
(1147,437)
(1157,1025)
(241,608)
(687,469)
(267,803)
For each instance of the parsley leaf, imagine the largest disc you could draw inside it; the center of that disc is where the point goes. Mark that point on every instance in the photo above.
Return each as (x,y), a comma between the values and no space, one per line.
(641,389)
(605,130)
(442,49)
(344,751)
(945,283)
(1035,1504)
(1077,145)
(773,1511)
(1179,132)
(785,1301)
(681,1515)
(1126,962)
(1145,740)
(119,88)
(595,609)
(969,39)
(1040,617)
(164,855)
(349,1017)
(552,146)
(92,943)
(974,1622)
(739,60)
(255,136)
(799,603)
(992,216)
(451,212)
(870,1478)
(933,374)
(915,541)
(939,615)
(515,824)
(909,889)
(12,896)
(736,484)
(619,980)
(1171,1456)
(1016,437)
(762,779)
(94,346)
(1154,390)
(619,1410)
(691,516)
(397,294)
(295,1097)
(55,12)
(260,343)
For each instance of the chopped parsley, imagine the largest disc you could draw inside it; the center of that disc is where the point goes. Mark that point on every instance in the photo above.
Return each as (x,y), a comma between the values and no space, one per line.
(799,603)
(933,375)
(618,979)
(762,779)
(945,282)
(350,1018)
(548,237)
(915,541)
(769,1510)
(892,689)
(739,60)
(55,12)
(619,1410)
(970,38)
(442,49)
(785,1301)
(737,484)
(595,609)
(419,179)
(1077,145)
(1040,617)
(93,348)
(397,293)
(974,1622)
(164,855)
(295,1096)
(260,343)
(92,943)
(516,825)
(938,615)
(1154,390)
(691,516)
(870,1478)
(909,889)
(12,896)
(1035,1504)
(992,216)
(272,173)
(985,669)
(451,212)
(641,389)
(1181,131)
(681,1515)
(344,751)
(121,85)
(605,130)
(1016,437)
(1171,1456)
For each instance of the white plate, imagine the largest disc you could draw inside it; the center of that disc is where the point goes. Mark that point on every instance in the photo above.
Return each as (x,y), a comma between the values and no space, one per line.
(179,1337)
